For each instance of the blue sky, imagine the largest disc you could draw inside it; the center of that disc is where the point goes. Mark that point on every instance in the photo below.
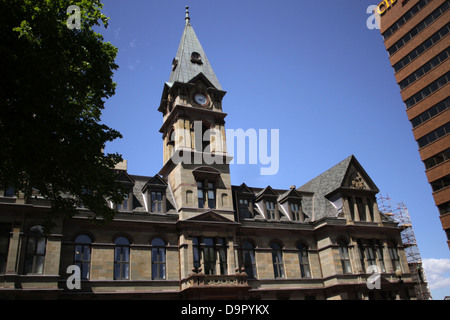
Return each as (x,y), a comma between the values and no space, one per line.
(311,69)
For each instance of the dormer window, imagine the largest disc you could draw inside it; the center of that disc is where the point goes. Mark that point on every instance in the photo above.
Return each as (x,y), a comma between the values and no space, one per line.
(154,193)
(125,205)
(271,210)
(157,201)
(196,58)
(296,212)
(244,208)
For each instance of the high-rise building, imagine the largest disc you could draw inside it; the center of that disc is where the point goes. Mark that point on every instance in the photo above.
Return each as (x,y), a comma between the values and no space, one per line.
(187,233)
(416,36)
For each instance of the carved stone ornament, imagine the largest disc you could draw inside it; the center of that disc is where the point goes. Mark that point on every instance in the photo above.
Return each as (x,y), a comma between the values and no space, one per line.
(357,181)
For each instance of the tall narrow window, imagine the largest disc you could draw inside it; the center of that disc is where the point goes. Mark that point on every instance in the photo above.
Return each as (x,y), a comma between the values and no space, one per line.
(361,255)
(345,259)
(124,204)
(157,201)
(211,196)
(82,255)
(222,251)
(393,253)
(201,195)
(295,209)
(35,253)
(277,260)
(304,260)
(244,210)
(158,259)
(121,259)
(209,256)
(370,255)
(271,211)
(248,255)
(206,194)
(5,229)
(379,249)
(197,252)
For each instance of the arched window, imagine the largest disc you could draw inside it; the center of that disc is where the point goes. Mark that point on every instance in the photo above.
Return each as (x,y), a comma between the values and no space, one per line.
(277,260)
(304,260)
(345,258)
(35,252)
(248,257)
(121,259)
(158,259)
(82,255)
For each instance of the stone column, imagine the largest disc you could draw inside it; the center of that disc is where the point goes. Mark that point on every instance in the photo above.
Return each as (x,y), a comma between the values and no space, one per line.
(366,208)
(14,250)
(355,209)
(346,209)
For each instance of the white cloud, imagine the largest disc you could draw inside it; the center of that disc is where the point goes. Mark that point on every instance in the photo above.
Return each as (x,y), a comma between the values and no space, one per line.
(437,272)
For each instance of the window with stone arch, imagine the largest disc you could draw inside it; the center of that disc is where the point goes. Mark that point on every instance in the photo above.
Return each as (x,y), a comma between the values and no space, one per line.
(82,254)
(344,256)
(277,259)
(248,259)
(35,251)
(303,258)
(121,258)
(158,259)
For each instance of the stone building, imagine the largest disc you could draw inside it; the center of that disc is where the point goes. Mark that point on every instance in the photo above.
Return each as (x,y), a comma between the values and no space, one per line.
(187,233)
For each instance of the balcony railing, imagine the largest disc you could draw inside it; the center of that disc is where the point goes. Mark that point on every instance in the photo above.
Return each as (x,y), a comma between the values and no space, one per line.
(201,280)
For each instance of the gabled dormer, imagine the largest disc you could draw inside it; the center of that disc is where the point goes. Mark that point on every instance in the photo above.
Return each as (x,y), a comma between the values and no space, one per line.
(154,192)
(344,191)
(244,199)
(290,203)
(124,178)
(267,203)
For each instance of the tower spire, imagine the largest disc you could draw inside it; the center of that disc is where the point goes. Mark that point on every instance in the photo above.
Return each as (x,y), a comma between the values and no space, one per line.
(188,19)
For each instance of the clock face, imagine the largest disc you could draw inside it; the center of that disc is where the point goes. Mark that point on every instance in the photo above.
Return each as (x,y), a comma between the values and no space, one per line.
(200,99)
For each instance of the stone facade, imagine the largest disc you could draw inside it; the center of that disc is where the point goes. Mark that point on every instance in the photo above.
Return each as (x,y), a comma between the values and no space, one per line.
(187,233)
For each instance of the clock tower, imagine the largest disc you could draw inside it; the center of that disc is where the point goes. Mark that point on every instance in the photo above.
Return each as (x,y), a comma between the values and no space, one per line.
(196,163)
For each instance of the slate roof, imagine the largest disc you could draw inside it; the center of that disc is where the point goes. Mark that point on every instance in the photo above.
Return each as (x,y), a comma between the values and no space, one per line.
(186,70)
(138,196)
(322,185)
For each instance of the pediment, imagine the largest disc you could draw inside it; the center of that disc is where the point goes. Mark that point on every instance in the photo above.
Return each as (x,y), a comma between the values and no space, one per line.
(244,189)
(268,191)
(292,193)
(202,78)
(210,216)
(122,176)
(357,178)
(155,182)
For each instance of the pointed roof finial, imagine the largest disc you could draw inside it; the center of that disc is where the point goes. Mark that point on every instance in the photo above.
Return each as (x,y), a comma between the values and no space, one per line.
(187,16)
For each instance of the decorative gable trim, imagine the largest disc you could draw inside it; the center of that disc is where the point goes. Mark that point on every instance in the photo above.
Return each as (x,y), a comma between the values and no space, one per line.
(267,192)
(209,216)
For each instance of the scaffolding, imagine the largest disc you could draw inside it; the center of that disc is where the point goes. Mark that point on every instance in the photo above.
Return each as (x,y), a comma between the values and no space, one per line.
(398,212)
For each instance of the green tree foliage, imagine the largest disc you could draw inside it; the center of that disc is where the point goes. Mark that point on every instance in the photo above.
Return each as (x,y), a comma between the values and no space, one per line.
(54,82)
